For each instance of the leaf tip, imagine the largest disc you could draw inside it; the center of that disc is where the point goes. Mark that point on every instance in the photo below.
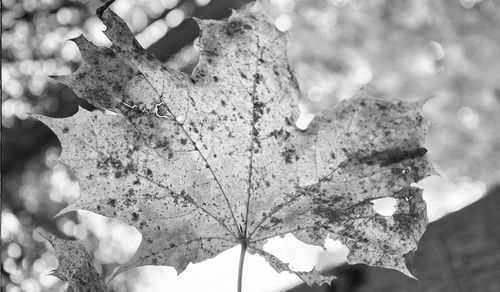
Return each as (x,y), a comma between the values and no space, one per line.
(100,11)
(362,93)
(256,6)
(314,277)
(76,39)
(252,8)
(55,77)
(64,79)
(420,103)
(432,171)
(68,209)
(38,117)
(31,115)
(198,20)
(407,272)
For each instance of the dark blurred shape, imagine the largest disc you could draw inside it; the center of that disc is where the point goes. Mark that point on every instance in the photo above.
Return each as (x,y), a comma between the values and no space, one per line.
(188,30)
(460,252)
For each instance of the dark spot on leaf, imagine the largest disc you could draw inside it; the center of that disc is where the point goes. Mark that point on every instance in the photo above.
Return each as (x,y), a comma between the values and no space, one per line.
(258,110)
(112,202)
(391,156)
(381,106)
(275,220)
(212,52)
(135,216)
(234,27)
(65,130)
(289,154)
(130,168)
(193,127)
(257,78)
(163,143)
(275,70)
(108,53)
(117,87)
(109,161)
(329,214)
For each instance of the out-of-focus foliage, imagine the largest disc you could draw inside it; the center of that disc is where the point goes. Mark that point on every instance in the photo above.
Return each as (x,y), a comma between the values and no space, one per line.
(33,47)
(23,258)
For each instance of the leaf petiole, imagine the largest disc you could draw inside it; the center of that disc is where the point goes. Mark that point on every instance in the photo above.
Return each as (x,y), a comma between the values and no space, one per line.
(242,259)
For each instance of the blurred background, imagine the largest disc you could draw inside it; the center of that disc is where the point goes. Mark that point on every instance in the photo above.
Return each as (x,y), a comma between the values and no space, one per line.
(412,50)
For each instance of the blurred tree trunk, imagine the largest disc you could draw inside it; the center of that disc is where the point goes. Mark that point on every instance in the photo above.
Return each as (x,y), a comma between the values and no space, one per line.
(460,252)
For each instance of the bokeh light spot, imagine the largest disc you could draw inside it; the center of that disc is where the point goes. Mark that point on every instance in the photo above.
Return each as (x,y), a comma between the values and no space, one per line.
(283,22)
(468,117)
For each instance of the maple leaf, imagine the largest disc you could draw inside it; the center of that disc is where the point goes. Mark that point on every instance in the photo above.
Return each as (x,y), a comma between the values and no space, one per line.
(75,265)
(201,163)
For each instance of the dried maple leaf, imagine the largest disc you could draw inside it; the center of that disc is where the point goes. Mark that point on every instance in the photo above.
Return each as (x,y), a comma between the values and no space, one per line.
(75,266)
(201,163)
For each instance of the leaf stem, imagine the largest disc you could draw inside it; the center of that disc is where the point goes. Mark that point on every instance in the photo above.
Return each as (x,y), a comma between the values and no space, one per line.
(242,259)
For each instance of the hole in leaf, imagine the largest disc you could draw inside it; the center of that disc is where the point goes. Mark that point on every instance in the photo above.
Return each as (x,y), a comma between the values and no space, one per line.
(305,117)
(110,240)
(384,206)
(108,112)
(304,257)
(335,255)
